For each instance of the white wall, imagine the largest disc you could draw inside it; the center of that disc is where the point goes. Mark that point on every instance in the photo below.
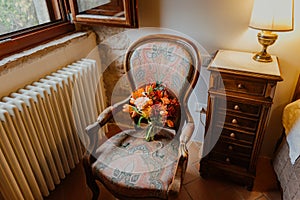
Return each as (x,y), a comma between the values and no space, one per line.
(223,24)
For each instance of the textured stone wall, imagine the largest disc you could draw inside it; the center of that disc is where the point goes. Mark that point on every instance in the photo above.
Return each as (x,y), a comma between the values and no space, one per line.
(112,45)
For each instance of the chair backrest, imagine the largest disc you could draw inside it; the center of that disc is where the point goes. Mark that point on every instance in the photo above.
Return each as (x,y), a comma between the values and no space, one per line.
(172,60)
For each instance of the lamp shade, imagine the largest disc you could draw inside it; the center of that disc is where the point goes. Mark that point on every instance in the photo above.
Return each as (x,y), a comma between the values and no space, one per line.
(273,15)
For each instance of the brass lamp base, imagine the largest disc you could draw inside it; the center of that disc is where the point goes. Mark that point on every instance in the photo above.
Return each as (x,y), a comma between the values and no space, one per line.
(262,57)
(265,38)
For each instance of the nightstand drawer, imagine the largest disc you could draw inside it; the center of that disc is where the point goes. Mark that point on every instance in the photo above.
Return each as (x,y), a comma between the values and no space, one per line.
(239,107)
(242,85)
(245,123)
(240,136)
(225,145)
(230,159)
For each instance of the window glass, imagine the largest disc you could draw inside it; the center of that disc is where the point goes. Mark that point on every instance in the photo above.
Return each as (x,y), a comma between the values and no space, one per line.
(16,15)
(84,5)
(27,23)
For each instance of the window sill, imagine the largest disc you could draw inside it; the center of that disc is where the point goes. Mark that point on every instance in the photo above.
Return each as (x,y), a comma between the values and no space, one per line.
(13,60)
(29,66)
(19,43)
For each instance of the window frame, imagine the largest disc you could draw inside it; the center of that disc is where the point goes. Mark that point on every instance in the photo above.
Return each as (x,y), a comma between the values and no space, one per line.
(18,41)
(21,40)
(130,10)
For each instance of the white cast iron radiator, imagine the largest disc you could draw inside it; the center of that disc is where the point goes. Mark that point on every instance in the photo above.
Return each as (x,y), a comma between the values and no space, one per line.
(42,129)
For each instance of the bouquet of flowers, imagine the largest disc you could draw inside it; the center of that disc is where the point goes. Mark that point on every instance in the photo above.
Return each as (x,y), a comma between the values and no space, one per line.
(154,105)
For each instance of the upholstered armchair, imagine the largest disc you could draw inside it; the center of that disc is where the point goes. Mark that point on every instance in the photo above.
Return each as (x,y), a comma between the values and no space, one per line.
(126,164)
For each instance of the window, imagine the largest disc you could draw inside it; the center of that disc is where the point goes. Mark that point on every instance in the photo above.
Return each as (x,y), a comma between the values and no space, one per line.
(110,12)
(21,14)
(26,23)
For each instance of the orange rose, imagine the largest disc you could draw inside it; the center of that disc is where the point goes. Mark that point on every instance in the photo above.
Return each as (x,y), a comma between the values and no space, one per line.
(138,93)
(170,123)
(165,100)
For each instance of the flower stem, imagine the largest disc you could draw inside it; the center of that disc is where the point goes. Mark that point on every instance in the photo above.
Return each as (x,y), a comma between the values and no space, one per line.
(149,135)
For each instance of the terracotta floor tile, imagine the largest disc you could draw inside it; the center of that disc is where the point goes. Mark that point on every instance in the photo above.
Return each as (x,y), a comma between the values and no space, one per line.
(183,195)
(227,194)
(105,194)
(265,176)
(247,195)
(196,190)
(72,187)
(211,190)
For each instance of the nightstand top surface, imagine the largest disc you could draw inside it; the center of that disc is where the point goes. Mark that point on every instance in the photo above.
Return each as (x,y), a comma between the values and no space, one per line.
(242,61)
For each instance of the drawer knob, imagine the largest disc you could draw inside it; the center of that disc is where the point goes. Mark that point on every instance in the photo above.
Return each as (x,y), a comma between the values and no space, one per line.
(234,121)
(227,160)
(230,147)
(236,107)
(240,86)
(232,135)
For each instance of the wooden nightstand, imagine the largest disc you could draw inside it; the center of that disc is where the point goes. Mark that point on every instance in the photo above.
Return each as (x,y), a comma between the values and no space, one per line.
(240,96)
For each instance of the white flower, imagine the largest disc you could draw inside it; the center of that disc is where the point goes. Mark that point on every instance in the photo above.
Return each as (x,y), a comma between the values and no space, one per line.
(141,102)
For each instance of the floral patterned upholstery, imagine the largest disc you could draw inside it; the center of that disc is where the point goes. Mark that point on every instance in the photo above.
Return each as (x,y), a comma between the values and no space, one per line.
(161,61)
(143,164)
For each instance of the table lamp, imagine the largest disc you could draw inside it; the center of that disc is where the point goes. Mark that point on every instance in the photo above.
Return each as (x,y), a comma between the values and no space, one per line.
(269,16)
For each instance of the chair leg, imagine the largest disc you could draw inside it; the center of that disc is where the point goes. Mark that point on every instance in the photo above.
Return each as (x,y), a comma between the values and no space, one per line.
(90,179)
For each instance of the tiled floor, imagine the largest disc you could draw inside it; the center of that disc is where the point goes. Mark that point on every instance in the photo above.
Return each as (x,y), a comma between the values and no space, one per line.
(194,188)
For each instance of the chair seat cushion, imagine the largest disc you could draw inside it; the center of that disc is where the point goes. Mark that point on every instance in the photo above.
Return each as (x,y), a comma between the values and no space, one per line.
(126,162)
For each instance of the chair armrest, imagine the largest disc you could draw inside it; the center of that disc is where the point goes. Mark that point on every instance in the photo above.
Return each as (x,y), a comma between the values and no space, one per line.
(107,113)
(187,132)
(103,118)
